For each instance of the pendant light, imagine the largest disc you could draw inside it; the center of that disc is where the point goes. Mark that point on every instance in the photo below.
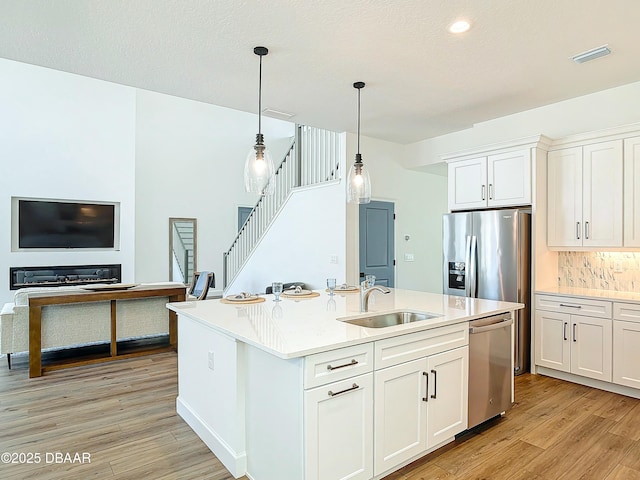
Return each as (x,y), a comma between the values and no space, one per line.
(259,171)
(358,181)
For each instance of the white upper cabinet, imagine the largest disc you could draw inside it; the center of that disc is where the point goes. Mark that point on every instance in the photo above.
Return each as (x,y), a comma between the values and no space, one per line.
(632,192)
(498,180)
(509,178)
(468,184)
(585,196)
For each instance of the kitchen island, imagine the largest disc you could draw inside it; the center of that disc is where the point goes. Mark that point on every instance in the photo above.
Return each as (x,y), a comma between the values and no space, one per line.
(287,390)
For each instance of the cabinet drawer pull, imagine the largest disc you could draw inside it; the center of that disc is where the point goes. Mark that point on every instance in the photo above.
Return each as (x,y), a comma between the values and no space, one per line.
(483,192)
(586,230)
(578,230)
(570,306)
(574,333)
(435,384)
(426,399)
(352,362)
(564,330)
(490,191)
(353,387)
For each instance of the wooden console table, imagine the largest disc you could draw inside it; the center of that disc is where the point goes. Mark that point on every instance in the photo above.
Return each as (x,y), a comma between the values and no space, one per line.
(39,300)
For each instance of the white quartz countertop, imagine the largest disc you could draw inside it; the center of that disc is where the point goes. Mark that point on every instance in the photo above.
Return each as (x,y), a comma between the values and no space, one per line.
(630,297)
(298,327)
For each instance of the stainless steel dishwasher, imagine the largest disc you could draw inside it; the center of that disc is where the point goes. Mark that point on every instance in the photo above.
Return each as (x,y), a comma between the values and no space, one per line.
(490,367)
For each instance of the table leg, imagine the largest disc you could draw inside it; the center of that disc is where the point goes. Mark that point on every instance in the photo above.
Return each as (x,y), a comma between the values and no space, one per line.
(114,334)
(35,342)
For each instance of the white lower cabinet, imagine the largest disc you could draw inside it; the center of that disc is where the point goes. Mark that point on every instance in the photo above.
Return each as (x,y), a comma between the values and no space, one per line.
(338,437)
(418,405)
(626,344)
(577,344)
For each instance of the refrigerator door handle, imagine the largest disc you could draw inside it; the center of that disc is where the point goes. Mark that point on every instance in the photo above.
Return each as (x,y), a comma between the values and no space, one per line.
(473,273)
(467,260)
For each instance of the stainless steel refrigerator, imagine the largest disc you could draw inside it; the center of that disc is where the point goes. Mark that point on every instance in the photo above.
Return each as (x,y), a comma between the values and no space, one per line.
(487,254)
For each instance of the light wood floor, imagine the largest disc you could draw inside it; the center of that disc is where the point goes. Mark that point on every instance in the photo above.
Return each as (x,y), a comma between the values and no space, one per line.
(123,415)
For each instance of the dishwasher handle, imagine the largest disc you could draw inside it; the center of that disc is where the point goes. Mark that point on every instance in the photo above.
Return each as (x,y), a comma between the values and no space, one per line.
(494,326)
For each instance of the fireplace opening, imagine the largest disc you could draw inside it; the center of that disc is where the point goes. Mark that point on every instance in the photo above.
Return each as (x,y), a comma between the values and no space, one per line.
(21,277)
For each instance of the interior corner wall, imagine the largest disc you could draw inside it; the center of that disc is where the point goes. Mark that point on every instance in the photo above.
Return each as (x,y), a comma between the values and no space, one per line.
(64,136)
(189,163)
(308,230)
(420,200)
(605,109)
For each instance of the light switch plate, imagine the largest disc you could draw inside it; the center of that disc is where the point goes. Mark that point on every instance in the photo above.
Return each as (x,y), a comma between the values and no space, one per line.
(408,257)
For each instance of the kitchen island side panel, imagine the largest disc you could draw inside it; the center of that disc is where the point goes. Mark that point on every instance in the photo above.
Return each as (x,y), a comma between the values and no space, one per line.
(211,390)
(274,416)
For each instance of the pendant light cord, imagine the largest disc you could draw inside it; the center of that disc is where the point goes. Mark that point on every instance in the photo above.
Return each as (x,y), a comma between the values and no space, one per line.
(260,98)
(358,120)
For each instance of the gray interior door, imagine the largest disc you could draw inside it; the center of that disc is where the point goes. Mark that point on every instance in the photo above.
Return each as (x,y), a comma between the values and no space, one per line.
(243,213)
(377,242)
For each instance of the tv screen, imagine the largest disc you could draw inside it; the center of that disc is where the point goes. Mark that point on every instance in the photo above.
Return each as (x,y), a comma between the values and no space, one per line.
(45,224)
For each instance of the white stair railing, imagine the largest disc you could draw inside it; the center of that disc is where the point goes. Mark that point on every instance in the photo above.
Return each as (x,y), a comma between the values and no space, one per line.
(312,158)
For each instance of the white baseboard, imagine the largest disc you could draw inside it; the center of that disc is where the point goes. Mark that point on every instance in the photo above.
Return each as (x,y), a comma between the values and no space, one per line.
(234,462)
(589,382)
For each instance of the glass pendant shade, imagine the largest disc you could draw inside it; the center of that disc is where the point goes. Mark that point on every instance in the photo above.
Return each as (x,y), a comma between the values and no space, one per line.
(358,183)
(259,170)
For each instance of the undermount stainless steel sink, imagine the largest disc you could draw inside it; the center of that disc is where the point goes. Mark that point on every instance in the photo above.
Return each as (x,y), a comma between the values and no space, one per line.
(390,319)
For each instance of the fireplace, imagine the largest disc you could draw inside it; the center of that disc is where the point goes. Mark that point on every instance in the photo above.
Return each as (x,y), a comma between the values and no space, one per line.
(21,277)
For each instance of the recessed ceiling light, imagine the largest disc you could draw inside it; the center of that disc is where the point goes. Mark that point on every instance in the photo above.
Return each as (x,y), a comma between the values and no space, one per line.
(460,26)
(592,54)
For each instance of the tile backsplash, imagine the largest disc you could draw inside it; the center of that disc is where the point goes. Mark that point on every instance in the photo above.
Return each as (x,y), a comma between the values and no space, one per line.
(618,271)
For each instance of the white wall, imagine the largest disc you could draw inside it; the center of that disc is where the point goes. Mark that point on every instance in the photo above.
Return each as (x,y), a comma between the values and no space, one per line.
(189,163)
(64,136)
(309,228)
(420,200)
(604,109)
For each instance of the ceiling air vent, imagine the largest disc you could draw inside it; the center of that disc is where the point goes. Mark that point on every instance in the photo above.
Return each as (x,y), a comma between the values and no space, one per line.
(591,54)
(271,112)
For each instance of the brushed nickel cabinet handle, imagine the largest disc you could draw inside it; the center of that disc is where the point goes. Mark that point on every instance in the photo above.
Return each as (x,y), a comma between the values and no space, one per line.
(355,386)
(483,192)
(574,333)
(586,230)
(564,330)
(352,362)
(570,306)
(490,191)
(578,230)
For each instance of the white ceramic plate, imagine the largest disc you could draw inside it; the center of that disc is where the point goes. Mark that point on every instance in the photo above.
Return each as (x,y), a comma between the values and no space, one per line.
(293,293)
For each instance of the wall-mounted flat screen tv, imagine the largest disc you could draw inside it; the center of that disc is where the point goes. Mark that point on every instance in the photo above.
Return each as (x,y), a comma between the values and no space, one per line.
(50,224)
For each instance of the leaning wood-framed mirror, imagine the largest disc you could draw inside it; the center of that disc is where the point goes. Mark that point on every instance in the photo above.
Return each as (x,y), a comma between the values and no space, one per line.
(183,248)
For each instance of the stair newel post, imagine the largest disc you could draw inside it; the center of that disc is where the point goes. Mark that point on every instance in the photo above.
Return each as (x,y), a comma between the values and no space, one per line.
(298,165)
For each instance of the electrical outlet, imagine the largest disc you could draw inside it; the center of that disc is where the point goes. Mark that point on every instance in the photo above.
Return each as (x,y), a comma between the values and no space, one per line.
(408,257)
(210,360)
(333,259)
(617,266)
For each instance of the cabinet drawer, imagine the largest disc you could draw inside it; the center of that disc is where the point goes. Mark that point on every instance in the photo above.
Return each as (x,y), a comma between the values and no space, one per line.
(404,348)
(629,312)
(339,364)
(577,306)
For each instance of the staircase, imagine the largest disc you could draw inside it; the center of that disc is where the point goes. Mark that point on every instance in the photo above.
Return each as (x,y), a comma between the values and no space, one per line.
(312,158)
